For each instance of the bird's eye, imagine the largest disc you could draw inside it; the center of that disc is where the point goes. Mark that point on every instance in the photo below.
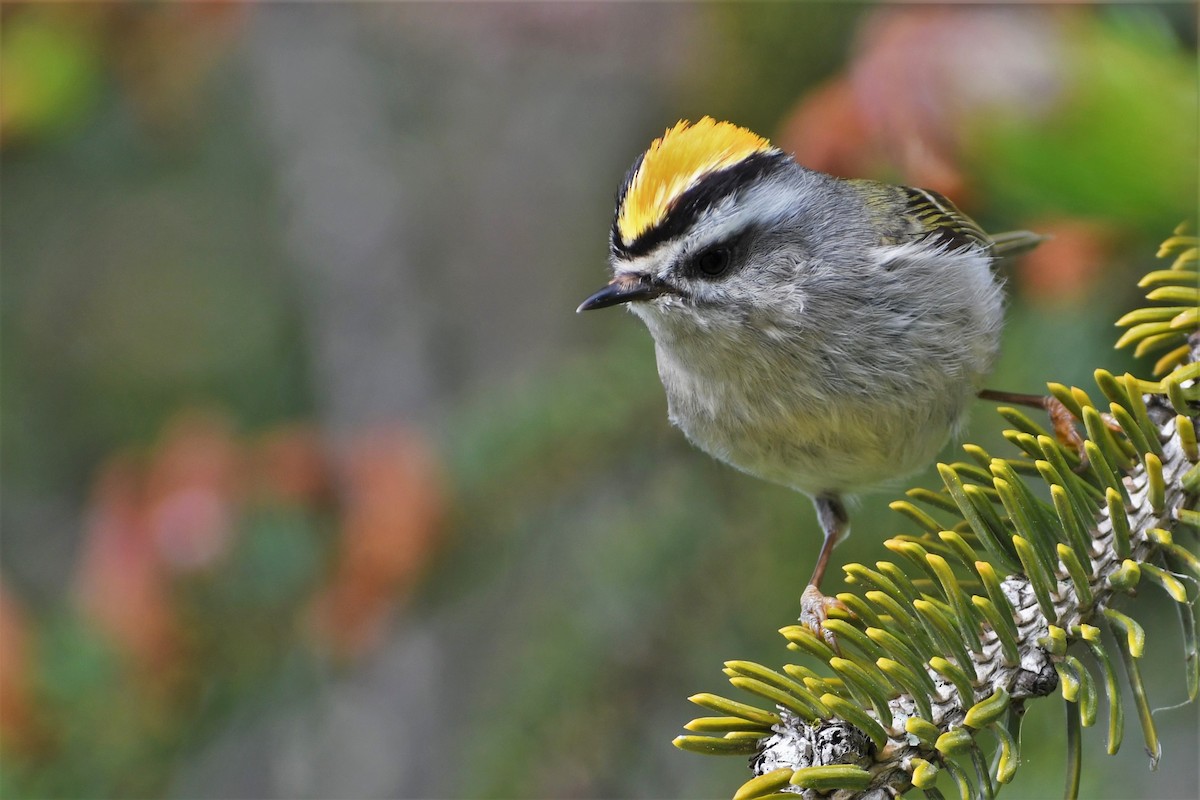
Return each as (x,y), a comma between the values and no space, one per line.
(714,261)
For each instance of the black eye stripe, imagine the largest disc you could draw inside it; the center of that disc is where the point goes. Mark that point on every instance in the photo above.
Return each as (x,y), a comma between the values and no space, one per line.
(720,258)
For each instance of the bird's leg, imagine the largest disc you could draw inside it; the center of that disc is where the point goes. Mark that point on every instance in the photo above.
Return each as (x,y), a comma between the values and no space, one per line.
(815,606)
(1061,417)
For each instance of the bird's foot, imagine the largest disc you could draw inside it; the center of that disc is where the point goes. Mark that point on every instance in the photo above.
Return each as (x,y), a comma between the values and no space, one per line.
(1065,431)
(814,610)
(1063,422)
(1061,419)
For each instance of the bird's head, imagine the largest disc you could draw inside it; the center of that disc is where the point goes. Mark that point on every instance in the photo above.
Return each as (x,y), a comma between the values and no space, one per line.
(706,225)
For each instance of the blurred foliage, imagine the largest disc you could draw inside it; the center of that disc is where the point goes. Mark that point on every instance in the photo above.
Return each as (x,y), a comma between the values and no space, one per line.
(48,77)
(58,61)
(150,242)
(1121,146)
(216,574)
(753,60)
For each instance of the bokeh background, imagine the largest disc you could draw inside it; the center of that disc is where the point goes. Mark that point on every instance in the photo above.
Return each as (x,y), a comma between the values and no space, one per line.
(314,485)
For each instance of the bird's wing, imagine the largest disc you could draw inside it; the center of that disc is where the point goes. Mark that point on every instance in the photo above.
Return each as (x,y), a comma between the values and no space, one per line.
(1015,243)
(906,213)
(930,216)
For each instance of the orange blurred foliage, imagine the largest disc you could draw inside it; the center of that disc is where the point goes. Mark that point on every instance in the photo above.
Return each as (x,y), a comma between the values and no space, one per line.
(151,520)
(166,53)
(922,79)
(291,466)
(1062,269)
(120,581)
(20,731)
(393,509)
(163,524)
(175,513)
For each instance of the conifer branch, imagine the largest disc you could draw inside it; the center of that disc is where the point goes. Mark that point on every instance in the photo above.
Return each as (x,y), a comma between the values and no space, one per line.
(939,647)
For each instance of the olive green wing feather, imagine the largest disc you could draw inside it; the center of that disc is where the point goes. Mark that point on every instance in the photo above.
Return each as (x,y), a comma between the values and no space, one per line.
(907,214)
(1015,243)
(933,217)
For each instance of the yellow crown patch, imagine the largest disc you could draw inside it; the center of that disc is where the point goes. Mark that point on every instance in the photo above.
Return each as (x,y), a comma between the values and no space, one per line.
(675,162)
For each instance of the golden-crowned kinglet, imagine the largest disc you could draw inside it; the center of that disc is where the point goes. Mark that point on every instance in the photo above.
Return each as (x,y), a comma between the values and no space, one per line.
(820,333)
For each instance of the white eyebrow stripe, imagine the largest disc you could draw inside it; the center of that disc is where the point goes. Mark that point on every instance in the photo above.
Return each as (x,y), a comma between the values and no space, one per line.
(759,205)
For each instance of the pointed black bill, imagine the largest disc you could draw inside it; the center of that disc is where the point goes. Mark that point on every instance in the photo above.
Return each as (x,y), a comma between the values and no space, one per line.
(624,289)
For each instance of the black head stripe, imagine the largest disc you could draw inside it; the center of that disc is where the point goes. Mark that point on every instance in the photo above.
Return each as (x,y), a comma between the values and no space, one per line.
(688,207)
(629,176)
(615,236)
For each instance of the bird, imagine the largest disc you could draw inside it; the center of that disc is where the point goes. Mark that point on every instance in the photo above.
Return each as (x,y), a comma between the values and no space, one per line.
(821,333)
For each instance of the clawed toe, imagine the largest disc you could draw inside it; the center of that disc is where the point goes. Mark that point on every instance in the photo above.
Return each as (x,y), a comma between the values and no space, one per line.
(814,610)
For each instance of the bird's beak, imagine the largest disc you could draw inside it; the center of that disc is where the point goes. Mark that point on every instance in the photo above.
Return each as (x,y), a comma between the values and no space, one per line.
(625,288)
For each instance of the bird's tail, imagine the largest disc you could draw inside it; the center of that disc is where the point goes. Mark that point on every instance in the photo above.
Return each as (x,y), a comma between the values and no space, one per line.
(1015,243)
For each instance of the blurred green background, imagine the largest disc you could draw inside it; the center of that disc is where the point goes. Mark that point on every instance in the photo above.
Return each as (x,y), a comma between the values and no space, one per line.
(313,483)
